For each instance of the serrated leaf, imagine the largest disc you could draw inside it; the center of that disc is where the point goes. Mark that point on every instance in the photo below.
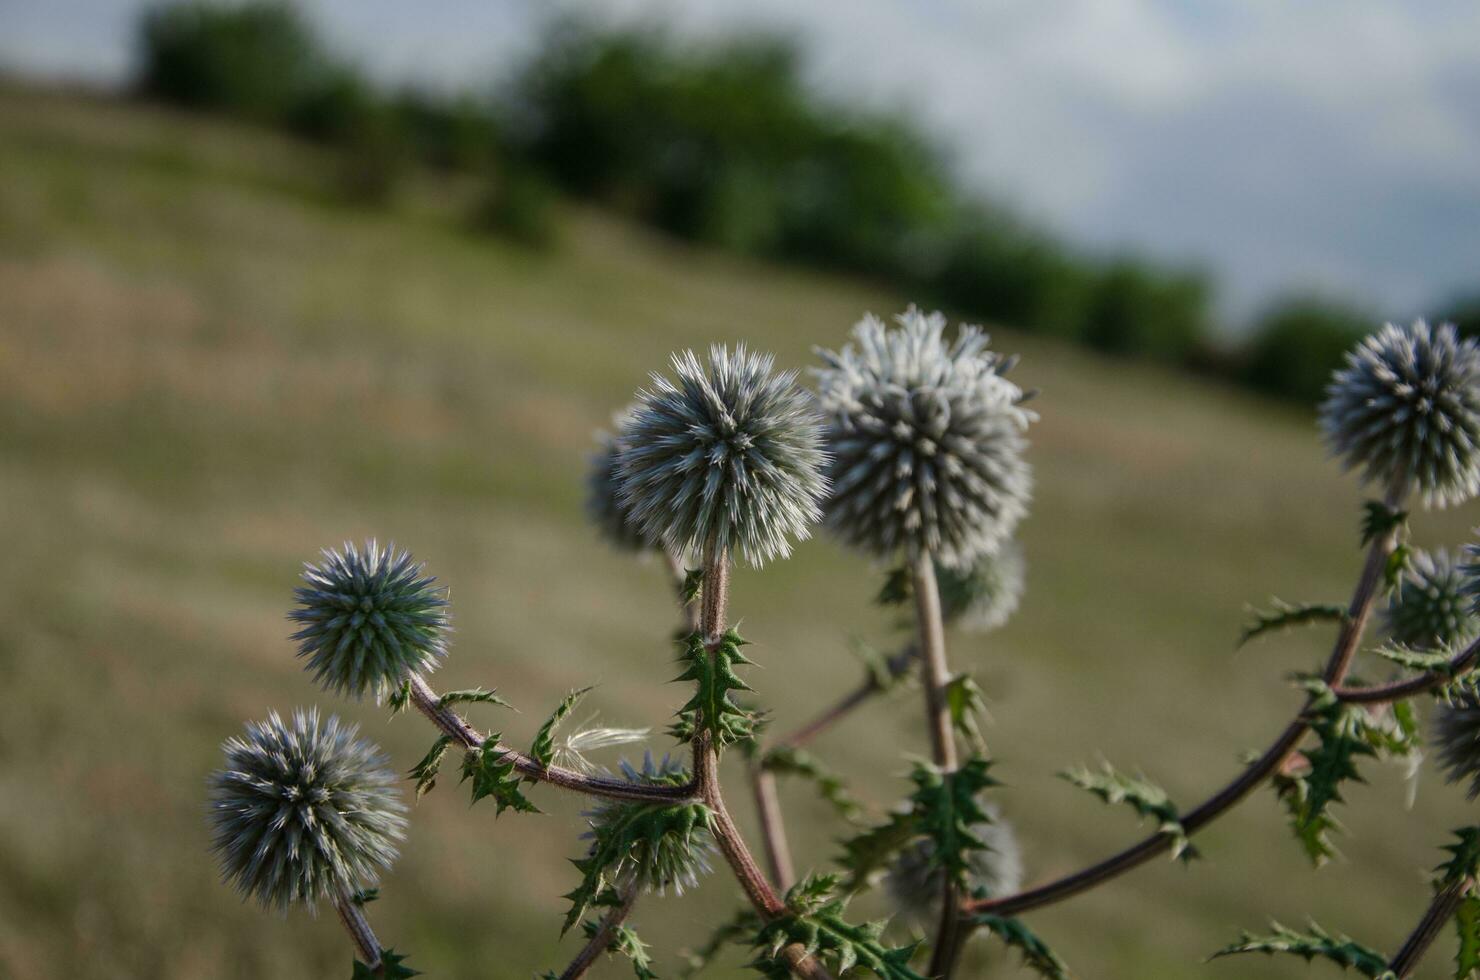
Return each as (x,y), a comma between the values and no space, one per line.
(693,584)
(1378,519)
(1419,661)
(946,808)
(1310,795)
(966,705)
(492,771)
(543,749)
(1464,857)
(425,772)
(1142,795)
(715,682)
(472,695)
(866,854)
(814,918)
(737,929)
(625,942)
(1284,615)
(1036,954)
(897,589)
(1315,943)
(789,761)
(1467,923)
(392,967)
(400,698)
(364,896)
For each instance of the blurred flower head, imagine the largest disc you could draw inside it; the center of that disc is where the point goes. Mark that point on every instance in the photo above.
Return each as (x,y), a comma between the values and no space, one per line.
(927,441)
(1405,410)
(1430,608)
(1457,737)
(726,459)
(604,504)
(370,618)
(915,884)
(303,812)
(985,595)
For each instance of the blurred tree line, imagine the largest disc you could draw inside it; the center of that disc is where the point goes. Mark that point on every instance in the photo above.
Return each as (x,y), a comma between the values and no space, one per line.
(724,144)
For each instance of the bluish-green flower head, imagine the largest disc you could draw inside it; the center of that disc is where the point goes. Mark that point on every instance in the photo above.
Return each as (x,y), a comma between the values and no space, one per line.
(1430,608)
(604,504)
(1405,410)
(303,812)
(927,441)
(370,618)
(1457,738)
(724,459)
(915,883)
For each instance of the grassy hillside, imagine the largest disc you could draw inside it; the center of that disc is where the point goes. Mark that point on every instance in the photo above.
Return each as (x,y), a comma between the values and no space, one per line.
(209,369)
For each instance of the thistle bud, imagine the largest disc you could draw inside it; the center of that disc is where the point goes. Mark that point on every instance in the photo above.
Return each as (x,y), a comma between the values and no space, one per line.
(675,858)
(1430,608)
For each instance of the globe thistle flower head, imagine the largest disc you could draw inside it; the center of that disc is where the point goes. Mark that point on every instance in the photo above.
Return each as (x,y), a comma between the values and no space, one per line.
(1430,608)
(1457,736)
(656,862)
(604,504)
(915,885)
(370,619)
(926,438)
(726,459)
(1405,410)
(984,596)
(303,812)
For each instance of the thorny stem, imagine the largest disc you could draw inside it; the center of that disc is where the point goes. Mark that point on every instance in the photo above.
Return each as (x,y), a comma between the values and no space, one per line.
(1438,914)
(714,598)
(1460,663)
(352,915)
(602,939)
(1347,640)
(453,724)
(773,827)
(931,637)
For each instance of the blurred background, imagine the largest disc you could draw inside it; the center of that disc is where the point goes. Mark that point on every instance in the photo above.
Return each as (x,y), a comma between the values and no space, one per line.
(273,276)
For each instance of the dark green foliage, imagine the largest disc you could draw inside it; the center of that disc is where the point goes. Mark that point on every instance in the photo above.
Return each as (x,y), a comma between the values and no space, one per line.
(1464,857)
(1467,924)
(1137,309)
(1145,797)
(814,918)
(715,680)
(1345,737)
(543,749)
(1297,344)
(788,761)
(425,772)
(1312,944)
(1378,519)
(624,940)
(1283,615)
(1036,954)
(400,698)
(392,967)
(866,855)
(473,695)
(518,204)
(492,771)
(365,896)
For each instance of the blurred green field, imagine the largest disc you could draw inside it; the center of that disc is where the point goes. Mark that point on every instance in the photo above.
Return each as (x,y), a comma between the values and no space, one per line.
(210,368)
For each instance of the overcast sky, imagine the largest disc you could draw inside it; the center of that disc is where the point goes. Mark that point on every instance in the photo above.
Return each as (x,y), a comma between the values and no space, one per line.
(1332,144)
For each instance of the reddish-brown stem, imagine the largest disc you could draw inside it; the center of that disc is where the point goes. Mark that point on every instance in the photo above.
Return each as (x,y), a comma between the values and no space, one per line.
(773,827)
(352,916)
(599,942)
(454,725)
(1438,914)
(1347,640)
(1460,663)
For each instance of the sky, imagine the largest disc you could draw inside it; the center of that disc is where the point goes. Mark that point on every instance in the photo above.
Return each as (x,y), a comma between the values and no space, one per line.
(1326,145)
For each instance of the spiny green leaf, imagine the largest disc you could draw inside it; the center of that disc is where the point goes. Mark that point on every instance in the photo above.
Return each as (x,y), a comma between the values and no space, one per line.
(543,749)
(1467,922)
(1421,661)
(738,928)
(425,771)
(1316,943)
(789,761)
(715,682)
(866,854)
(897,589)
(693,584)
(1144,796)
(1464,860)
(1283,615)
(400,698)
(1035,952)
(625,942)
(814,918)
(1397,564)
(1379,519)
(472,695)
(365,896)
(966,705)
(392,967)
(492,771)
(1309,795)
(946,807)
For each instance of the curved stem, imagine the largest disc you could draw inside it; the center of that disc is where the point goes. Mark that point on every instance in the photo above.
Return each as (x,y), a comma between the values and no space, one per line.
(602,939)
(1462,662)
(1347,640)
(1439,912)
(454,725)
(352,916)
(773,827)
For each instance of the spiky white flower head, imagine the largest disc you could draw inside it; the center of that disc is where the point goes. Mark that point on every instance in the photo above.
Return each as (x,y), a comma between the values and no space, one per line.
(984,596)
(727,459)
(927,440)
(371,618)
(303,812)
(1406,410)
(669,860)
(915,885)
(604,504)
(1430,608)
(1457,735)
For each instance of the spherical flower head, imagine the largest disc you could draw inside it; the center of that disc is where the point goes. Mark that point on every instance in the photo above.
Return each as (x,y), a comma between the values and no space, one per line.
(303,812)
(1430,608)
(604,504)
(668,861)
(926,439)
(915,885)
(1457,736)
(370,619)
(1406,411)
(726,459)
(984,596)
